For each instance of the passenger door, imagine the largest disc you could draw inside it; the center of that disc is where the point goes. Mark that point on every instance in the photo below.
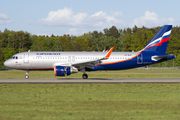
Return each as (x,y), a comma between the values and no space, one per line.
(26,58)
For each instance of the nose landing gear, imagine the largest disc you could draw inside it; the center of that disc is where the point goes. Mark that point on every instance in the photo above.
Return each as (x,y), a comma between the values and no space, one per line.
(27,74)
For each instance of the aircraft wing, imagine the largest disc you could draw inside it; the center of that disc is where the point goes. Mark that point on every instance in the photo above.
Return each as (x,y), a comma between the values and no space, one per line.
(90,63)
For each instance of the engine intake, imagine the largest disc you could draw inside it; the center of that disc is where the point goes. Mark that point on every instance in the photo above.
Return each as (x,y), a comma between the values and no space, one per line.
(64,70)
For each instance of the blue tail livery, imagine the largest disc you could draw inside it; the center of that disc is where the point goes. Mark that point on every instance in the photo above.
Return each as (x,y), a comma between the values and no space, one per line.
(66,63)
(160,41)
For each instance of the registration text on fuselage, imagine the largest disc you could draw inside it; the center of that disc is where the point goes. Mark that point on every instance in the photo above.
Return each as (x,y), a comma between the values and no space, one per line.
(48,53)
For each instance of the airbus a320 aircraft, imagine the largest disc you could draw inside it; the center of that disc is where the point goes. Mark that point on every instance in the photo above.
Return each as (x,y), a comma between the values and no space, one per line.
(66,63)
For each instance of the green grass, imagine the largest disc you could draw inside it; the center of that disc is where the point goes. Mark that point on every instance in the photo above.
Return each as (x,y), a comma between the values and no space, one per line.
(90,101)
(133,73)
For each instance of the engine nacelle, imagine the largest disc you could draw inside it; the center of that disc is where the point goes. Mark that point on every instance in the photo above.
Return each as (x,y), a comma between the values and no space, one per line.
(64,70)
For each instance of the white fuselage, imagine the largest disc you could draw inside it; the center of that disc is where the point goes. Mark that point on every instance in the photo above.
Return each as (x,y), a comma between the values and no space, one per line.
(47,60)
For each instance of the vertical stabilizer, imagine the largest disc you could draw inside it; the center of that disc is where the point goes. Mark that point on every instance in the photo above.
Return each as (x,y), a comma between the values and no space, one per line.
(160,41)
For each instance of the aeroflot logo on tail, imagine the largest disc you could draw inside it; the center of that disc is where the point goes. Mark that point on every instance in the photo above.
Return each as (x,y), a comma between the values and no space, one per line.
(47,53)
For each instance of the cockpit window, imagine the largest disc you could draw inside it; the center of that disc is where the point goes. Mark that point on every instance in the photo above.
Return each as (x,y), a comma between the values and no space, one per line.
(14,57)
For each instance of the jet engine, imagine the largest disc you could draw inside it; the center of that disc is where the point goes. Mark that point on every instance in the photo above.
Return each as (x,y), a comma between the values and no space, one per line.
(64,70)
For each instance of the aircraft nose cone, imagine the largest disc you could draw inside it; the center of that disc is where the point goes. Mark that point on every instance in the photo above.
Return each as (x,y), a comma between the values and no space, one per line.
(6,63)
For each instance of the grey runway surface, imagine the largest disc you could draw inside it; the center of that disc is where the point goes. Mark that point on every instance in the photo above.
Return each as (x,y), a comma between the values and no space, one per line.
(90,80)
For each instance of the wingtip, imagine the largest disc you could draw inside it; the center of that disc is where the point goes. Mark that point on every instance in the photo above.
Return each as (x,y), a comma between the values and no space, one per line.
(109,52)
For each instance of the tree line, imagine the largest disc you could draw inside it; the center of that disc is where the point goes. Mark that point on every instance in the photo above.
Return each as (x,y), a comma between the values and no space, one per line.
(127,39)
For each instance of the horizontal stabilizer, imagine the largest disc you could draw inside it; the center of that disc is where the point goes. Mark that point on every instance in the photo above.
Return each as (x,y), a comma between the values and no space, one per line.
(156,58)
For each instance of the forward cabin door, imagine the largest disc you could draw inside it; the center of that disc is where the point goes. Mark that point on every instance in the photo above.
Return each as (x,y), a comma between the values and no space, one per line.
(26,58)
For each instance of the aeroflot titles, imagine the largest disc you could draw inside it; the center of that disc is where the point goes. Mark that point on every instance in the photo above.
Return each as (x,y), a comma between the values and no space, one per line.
(47,53)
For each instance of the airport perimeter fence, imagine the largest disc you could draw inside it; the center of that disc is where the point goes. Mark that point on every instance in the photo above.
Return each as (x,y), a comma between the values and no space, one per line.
(162,68)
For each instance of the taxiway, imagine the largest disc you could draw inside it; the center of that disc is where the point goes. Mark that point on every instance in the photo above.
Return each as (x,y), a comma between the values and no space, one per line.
(90,80)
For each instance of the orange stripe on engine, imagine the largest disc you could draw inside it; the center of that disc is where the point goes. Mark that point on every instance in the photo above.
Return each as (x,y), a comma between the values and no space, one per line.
(55,71)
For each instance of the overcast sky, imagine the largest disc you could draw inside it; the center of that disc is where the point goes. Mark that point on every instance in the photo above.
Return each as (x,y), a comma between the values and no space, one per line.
(75,17)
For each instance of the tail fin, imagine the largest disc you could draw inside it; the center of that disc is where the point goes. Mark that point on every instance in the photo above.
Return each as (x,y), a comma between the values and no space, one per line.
(160,41)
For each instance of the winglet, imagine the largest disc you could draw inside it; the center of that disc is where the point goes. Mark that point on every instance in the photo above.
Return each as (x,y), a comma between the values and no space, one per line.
(109,52)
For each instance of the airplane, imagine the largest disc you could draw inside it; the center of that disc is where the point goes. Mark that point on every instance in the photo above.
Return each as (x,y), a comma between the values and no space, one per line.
(66,63)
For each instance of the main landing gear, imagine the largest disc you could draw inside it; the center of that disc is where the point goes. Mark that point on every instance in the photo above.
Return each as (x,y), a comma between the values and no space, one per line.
(85,76)
(27,74)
